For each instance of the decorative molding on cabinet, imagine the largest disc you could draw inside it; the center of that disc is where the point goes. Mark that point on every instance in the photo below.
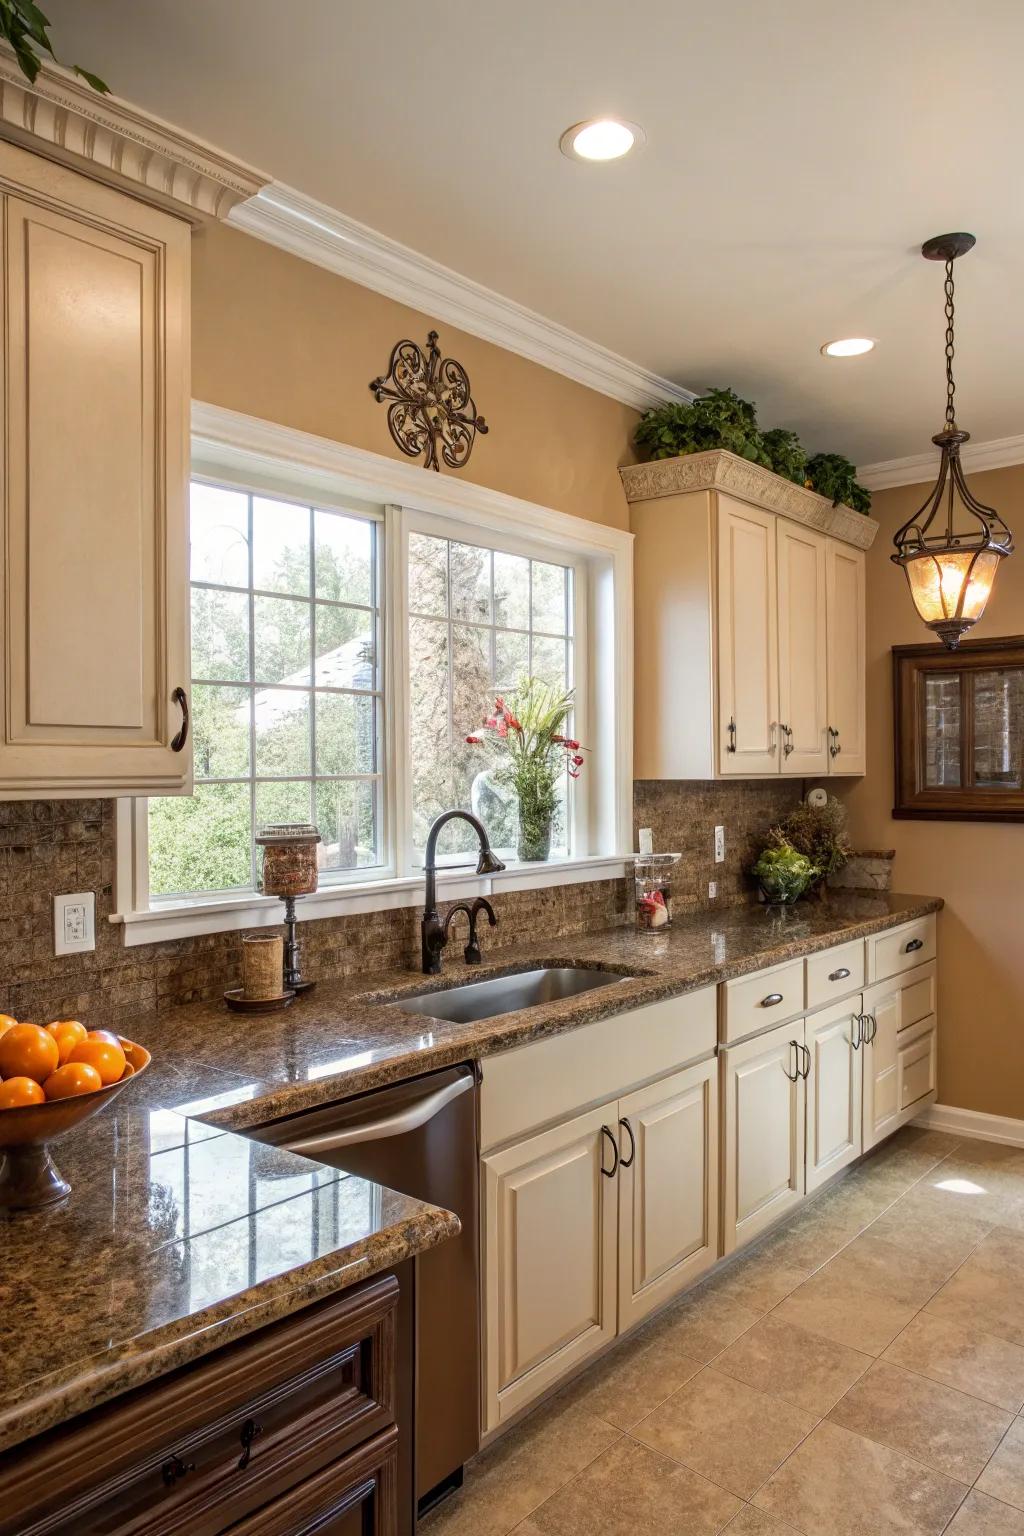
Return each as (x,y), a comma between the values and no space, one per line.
(922,468)
(288,219)
(62,117)
(720,470)
(973,1123)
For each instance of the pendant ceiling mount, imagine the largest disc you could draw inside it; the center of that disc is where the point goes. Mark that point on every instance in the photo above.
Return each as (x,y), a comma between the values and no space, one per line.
(951,548)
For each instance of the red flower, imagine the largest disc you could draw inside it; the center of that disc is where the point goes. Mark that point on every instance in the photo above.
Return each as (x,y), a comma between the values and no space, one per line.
(513,722)
(577,761)
(573,746)
(474,741)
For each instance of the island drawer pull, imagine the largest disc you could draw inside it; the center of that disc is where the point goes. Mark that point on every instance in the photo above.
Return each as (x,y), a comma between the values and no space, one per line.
(772,1000)
(251,1430)
(841,974)
(174,1468)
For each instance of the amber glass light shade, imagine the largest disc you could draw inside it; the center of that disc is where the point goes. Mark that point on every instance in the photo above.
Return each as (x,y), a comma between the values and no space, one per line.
(950,588)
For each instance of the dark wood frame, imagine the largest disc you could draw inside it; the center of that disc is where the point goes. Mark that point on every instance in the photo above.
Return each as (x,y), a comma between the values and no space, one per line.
(913,800)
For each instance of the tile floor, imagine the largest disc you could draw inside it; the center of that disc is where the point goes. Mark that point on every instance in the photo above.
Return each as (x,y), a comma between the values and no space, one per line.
(858,1372)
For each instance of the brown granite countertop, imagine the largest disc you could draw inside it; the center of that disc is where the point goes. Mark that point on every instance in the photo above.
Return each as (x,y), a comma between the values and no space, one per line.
(181,1235)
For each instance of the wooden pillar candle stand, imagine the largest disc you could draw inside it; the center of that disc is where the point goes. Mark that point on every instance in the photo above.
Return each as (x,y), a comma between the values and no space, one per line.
(290,871)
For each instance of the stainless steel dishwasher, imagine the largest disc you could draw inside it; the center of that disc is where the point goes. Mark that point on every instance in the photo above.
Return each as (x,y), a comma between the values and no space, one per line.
(420,1137)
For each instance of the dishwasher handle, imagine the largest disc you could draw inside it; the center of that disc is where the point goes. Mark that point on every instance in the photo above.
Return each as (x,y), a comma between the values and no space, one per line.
(392,1125)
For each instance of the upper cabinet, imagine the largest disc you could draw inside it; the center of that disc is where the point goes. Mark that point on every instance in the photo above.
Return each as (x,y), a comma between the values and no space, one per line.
(749,633)
(94,654)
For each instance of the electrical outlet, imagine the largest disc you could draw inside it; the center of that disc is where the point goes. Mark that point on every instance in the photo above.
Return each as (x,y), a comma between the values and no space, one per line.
(712,889)
(74,923)
(719,845)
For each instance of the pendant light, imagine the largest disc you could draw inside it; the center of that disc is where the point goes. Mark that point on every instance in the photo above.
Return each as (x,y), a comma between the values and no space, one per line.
(950,561)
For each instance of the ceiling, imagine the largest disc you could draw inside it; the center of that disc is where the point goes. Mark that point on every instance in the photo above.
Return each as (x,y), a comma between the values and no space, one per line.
(796,157)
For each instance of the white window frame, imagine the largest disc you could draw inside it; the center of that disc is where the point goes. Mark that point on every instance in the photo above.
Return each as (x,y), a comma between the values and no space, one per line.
(260,456)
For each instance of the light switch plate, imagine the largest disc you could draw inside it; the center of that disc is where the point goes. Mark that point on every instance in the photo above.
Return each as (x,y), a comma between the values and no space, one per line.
(719,845)
(74,923)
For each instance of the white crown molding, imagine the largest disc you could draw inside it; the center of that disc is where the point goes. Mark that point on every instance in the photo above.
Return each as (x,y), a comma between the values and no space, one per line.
(718,469)
(974,1123)
(921,468)
(317,233)
(62,117)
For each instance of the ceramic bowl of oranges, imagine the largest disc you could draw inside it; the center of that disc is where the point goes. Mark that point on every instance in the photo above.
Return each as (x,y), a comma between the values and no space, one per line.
(52,1078)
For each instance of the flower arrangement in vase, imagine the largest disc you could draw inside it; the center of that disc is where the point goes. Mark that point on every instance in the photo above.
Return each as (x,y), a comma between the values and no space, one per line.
(529,729)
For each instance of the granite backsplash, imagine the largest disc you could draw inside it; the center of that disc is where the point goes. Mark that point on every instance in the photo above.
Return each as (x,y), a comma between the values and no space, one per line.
(53,846)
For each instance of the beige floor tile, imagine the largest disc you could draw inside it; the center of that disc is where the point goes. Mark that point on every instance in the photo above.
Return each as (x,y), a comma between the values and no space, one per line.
(520,1470)
(839,1484)
(983,1294)
(882,1266)
(640,1373)
(1000,1252)
(755,1522)
(943,1428)
(842,1310)
(1003,1478)
(979,1515)
(728,1432)
(981,1191)
(759,1280)
(923,1227)
(857,1203)
(631,1490)
(802,1368)
(965,1358)
(705,1322)
(808,1240)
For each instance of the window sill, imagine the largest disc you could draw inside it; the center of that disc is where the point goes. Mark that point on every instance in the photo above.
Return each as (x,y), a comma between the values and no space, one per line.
(183,919)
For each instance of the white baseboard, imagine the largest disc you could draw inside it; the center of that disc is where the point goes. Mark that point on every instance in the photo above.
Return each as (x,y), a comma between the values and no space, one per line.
(973,1122)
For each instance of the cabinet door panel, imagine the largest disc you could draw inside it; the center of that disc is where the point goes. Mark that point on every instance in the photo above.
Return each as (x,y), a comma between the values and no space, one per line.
(845,625)
(881,1096)
(668,1194)
(802,649)
(763,1133)
(916,1066)
(550,1271)
(95,585)
(834,1091)
(748,685)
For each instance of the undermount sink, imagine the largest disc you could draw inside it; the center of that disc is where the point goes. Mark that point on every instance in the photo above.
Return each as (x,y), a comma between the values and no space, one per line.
(506,994)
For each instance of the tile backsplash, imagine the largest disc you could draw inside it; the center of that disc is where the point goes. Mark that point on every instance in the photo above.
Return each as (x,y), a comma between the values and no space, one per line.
(53,846)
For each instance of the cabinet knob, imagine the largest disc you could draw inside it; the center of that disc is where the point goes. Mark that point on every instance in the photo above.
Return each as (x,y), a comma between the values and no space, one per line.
(841,974)
(771,1001)
(174,1468)
(180,697)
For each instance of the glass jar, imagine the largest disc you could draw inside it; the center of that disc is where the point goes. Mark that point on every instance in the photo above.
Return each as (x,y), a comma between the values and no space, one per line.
(289,859)
(652,874)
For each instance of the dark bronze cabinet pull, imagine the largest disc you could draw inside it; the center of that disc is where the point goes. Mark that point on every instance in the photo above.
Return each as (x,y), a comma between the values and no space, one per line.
(610,1173)
(841,974)
(627,1162)
(771,1000)
(857,1032)
(251,1430)
(731,728)
(805,1052)
(913,944)
(787,745)
(794,1077)
(180,698)
(174,1468)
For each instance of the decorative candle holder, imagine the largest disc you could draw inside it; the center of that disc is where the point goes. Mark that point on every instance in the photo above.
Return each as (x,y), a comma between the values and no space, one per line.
(290,871)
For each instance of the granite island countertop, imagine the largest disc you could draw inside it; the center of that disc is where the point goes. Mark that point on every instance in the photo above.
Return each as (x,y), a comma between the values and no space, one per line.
(181,1235)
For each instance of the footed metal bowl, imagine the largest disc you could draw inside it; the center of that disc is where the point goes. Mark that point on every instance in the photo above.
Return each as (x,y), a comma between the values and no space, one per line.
(28,1176)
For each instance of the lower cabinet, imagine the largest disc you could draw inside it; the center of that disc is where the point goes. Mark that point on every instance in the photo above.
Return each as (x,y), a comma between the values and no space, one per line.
(834,1086)
(900,1066)
(356,1496)
(763,1114)
(590,1226)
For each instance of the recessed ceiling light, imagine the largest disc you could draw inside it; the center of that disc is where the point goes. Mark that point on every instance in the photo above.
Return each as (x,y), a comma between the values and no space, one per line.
(601,138)
(850,346)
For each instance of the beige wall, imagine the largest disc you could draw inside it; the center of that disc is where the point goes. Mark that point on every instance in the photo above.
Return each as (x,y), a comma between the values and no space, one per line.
(978,868)
(278,338)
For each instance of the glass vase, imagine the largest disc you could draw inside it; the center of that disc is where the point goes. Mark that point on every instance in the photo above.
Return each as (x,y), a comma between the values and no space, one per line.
(534,843)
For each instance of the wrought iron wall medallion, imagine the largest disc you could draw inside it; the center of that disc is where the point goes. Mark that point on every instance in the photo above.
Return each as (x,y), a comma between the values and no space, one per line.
(432,410)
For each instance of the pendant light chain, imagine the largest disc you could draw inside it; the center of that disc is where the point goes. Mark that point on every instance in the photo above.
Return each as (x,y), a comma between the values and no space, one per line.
(950,385)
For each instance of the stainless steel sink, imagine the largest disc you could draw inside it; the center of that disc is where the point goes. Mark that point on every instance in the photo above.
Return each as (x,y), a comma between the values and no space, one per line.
(506,994)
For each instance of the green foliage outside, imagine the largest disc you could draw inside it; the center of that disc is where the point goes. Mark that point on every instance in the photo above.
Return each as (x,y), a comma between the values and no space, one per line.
(720,419)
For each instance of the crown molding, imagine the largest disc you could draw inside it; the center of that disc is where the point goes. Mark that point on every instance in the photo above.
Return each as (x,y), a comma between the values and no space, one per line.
(921,468)
(317,233)
(720,470)
(62,117)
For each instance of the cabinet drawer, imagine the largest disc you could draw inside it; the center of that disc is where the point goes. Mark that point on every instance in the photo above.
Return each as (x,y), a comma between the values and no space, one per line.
(352,1497)
(540,1083)
(916,1064)
(835,973)
(917,995)
(900,949)
(171,1457)
(753,1003)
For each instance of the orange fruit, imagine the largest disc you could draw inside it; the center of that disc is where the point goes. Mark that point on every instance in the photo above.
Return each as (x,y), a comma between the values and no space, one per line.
(68,1033)
(101,1050)
(17,1091)
(28,1051)
(6,1020)
(71,1079)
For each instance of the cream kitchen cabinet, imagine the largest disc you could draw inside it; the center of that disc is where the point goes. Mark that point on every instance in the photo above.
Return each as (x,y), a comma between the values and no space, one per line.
(750,609)
(763,1112)
(900,1040)
(95,654)
(834,1086)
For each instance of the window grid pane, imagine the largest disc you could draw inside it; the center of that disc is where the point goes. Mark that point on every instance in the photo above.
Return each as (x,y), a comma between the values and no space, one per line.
(271,704)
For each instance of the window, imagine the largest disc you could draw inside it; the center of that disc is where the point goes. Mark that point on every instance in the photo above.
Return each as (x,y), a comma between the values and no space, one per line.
(286,695)
(480,619)
(960,731)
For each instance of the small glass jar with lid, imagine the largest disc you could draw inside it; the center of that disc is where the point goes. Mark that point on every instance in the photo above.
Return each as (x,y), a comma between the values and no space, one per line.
(289,859)
(652,874)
